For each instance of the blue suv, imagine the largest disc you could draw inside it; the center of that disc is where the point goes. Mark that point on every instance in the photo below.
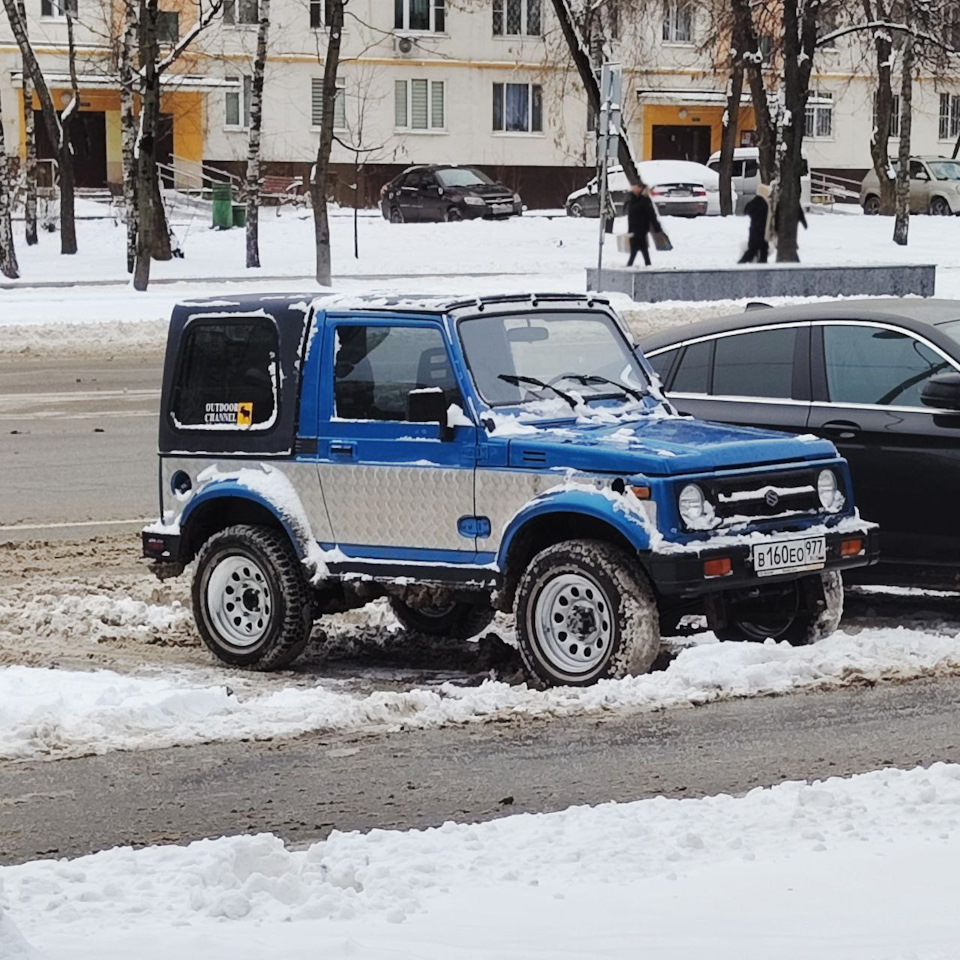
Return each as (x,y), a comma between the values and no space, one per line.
(461,457)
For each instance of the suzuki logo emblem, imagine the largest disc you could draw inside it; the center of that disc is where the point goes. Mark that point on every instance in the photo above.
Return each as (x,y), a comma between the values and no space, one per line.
(771,498)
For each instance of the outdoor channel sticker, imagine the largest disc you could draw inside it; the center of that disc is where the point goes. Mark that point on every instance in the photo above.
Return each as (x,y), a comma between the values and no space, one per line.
(235,414)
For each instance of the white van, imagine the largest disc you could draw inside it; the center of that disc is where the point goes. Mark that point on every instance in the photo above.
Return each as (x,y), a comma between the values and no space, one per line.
(746,175)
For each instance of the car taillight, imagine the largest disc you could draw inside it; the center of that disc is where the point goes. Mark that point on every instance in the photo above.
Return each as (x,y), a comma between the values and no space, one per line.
(699,193)
(657,192)
(384,189)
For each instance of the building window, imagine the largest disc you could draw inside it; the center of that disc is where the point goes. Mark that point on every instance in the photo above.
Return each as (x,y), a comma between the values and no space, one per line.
(949,116)
(678,21)
(237,103)
(419,104)
(241,11)
(819,117)
(168,26)
(428,16)
(517,18)
(58,8)
(316,105)
(319,13)
(518,108)
(894,115)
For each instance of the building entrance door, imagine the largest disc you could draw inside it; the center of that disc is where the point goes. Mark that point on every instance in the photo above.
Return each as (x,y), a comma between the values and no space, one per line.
(88,135)
(677,142)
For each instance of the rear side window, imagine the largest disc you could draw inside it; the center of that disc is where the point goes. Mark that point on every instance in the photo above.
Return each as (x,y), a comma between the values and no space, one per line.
(228,374)
(662,363)
(756,364)
(693,374)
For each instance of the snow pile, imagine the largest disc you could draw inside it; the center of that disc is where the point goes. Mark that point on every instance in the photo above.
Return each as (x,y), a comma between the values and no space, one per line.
(12,944)
(55,713)
(859,868)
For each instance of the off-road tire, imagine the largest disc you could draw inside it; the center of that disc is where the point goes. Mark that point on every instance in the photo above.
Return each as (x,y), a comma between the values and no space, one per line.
(635,624)
(290,617)
(871,206)
(461,621)
(807,626)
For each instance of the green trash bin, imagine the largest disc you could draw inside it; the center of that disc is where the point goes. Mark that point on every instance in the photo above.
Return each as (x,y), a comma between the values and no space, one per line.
(223,206)
(239,214)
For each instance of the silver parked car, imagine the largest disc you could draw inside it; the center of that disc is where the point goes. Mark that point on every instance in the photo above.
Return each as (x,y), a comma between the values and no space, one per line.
(934,187)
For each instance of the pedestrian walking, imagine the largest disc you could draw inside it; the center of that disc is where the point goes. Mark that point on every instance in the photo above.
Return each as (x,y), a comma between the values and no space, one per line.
(642,220)
(761,225)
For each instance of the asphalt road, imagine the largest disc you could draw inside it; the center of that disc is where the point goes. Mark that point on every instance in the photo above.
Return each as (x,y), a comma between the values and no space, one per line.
(78,445)
(301,789)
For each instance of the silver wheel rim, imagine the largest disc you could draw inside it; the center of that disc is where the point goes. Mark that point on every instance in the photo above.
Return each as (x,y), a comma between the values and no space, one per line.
(239,601)
(574,623)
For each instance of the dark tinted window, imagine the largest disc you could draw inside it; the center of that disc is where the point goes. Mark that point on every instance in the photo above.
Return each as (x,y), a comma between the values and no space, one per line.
(873,365)
(751,168)
(662,363)
(228,375)
(755,364)
(377,367)
(693,374)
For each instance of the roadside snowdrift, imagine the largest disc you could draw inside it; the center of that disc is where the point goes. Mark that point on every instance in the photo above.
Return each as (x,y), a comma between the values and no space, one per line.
(57,713)
(858,869)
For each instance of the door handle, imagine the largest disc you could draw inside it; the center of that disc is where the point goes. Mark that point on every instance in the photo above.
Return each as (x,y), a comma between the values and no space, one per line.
(841,429)
(342,451)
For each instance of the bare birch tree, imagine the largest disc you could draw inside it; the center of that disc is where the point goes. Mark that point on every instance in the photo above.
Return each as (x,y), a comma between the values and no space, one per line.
(128,127)
(253,143)
(901,225)
(8,254)
(30,149)
(879,10)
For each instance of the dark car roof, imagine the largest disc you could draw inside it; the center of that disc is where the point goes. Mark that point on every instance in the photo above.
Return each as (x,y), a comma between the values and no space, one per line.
(916,315)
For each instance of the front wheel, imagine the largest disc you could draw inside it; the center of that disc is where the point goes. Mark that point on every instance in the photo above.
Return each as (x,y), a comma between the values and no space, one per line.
(585,611)
(251,601)
(790,616)
(575,209)
(871,206)
(453,215)
(455,619)
(940,208)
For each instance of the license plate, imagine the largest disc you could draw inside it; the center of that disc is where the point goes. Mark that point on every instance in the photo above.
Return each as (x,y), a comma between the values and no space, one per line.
(503,208)
(681,193)
(786,556)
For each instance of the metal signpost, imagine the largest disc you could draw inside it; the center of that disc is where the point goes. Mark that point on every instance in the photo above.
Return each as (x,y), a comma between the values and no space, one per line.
(608,142)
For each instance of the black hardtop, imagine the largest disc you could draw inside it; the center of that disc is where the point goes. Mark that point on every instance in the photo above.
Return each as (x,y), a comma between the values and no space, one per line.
(921,316)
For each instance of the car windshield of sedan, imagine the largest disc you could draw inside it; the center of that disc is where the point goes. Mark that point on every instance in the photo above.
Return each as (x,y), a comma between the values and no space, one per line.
(462,177)
(945,169)
(551,356)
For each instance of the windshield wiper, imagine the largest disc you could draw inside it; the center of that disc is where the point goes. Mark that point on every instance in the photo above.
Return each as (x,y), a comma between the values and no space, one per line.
(587,379)
(516,381)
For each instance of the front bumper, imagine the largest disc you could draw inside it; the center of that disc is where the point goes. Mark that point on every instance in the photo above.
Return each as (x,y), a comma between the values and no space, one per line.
(161,547)
(682,573)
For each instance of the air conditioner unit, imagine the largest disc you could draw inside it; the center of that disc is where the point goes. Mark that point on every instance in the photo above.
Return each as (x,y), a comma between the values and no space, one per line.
(403,45)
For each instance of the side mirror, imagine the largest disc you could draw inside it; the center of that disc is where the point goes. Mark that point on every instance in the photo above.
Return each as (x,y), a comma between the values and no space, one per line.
(429,405)
(942,392)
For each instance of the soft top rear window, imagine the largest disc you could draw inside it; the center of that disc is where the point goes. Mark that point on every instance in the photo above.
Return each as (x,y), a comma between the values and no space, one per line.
(228,375)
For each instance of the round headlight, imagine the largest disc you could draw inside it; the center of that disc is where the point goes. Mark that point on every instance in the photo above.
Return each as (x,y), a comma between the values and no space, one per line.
(692,504)
(828,491)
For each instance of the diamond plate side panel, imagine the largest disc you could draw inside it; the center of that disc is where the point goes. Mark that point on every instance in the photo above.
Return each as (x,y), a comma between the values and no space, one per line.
(398,506)
(502,493)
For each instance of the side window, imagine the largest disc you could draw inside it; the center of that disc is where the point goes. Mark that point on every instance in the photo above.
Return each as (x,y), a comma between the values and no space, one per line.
(693,374)
(877,366)
(758,364)
(751,169)
(376,367)
(228,375)
(918,171)
(411,179)
(662,362)
(428,180)
(714,165)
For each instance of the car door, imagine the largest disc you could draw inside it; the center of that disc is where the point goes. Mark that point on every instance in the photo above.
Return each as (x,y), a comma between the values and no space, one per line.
(757,377)
(395,490)
(904,457)
(430,197)
(919,187)
(408,197)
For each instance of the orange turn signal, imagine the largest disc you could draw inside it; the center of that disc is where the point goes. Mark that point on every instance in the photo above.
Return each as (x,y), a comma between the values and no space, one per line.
(641,493)
(721,567)
(851,548)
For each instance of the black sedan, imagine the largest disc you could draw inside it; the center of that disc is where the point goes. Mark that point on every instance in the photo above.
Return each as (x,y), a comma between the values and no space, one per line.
(880,378)
(446,192)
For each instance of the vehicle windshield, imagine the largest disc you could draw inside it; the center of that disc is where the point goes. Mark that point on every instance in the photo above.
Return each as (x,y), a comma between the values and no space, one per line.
(945,169)
(548,356)
(462,177)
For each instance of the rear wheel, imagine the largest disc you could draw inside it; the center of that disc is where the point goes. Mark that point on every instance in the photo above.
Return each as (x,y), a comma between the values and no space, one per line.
(454,619)
(575,209)
(585,611)
(396,215)
(788,614)
(871,206)
(251,601)
(940,208)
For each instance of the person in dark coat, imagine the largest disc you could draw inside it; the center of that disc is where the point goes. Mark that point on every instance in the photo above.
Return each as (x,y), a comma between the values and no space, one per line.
(641,221)
(758,210)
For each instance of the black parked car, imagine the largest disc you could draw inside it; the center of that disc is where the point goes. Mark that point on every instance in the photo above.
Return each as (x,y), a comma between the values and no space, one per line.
(880,378)
(446,192)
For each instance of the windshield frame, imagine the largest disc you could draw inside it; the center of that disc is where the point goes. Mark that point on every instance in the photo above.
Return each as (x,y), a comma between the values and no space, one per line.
(630,347)
(481,182)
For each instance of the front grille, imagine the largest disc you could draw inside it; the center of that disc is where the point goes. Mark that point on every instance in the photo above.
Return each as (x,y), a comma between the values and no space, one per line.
(764,495)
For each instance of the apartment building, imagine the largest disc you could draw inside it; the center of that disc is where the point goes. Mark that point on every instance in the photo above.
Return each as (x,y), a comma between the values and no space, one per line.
(484,82)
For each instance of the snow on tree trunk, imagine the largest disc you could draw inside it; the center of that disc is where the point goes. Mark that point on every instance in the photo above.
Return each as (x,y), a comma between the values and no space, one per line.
(319,180)
(8,254)
(728,140)
(901,225)
(128,129)
(253,144)
(30,150)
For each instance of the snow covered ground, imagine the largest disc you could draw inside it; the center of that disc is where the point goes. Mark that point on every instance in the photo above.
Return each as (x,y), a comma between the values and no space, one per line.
(856,869)
(52,713)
